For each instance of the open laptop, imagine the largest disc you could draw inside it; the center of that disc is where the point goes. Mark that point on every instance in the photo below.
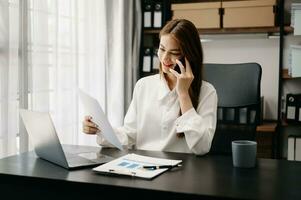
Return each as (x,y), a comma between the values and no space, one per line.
(43,135)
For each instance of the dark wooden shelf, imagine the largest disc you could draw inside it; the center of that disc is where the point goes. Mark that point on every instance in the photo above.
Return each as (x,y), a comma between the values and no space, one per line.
(284,123)
(285,74)
(267,127)
(269,30)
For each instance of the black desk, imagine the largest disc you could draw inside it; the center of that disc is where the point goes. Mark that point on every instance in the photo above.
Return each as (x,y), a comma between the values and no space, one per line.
(208,177)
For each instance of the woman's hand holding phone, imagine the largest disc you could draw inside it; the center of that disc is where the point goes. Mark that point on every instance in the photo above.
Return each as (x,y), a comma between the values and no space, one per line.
(177,68)
(184,77)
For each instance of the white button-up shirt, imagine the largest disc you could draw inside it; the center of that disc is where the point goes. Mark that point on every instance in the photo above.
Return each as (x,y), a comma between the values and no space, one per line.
(153,119)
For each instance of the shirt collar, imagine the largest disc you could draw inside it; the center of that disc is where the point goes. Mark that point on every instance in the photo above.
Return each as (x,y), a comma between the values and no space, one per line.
(163,89)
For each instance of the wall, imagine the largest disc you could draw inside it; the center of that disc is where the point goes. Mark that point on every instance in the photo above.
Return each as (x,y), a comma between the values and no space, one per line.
(249,48)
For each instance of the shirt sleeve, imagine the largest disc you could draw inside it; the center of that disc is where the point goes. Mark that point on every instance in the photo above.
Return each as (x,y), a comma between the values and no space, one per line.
(199,125)
(126,133)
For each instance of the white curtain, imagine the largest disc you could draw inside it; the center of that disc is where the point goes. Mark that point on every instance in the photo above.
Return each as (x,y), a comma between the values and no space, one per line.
(9,96)
(123,19)
(87,44)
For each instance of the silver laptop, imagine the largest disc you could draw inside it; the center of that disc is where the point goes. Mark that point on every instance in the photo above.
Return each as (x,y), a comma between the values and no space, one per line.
(42,133)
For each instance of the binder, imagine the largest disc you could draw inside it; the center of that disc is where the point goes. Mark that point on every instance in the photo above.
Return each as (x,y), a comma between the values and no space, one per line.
(294,147)
(147,60)
(293,108)
(291,148)
(158,15)
(156,61)
(147,14)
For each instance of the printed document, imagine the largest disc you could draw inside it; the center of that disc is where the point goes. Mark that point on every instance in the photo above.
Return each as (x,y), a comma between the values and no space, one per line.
(132,165)
(93,108)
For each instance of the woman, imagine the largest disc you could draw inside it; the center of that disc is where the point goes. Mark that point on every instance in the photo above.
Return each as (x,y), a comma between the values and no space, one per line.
(172,111)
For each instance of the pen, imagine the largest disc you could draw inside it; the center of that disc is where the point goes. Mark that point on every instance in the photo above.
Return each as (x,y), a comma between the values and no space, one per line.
(161,166)
(122,172)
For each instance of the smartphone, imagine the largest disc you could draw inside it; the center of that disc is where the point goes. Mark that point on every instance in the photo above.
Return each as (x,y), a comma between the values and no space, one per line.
(177,68)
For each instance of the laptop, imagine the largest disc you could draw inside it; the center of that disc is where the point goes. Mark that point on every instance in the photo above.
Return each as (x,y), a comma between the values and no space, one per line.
(47,146)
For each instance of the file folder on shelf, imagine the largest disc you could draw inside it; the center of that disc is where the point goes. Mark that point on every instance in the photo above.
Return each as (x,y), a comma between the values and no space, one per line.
(147,60)
(156,61)
(158,15)
(147,14)
(293,108)
(294,147)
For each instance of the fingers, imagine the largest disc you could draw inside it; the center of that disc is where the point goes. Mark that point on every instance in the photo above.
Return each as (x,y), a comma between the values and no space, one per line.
(175,73)
(89,127)
(88,118)
(90,124)
(90,130)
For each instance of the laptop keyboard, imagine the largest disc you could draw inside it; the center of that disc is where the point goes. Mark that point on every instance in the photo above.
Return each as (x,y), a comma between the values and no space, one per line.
(78,149)
(77,160)
(77,156)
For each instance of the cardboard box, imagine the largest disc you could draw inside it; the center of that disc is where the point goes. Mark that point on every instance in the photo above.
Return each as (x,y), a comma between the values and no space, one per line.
(253,13)
(203,15)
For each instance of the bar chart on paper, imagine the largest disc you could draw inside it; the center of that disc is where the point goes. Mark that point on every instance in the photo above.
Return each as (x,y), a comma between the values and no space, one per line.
(132,165)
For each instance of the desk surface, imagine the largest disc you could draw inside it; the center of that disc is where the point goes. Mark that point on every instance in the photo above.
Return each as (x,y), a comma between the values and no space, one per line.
(207,176)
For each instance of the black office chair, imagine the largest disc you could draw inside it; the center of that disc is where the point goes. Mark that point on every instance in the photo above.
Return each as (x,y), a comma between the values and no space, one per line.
(238,91)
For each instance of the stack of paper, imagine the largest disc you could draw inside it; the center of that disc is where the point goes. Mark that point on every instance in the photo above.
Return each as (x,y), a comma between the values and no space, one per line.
(132,165)
(296,17)
(294,69)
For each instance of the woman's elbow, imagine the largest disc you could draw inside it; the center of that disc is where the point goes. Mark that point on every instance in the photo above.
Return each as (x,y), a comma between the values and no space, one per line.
(204,145)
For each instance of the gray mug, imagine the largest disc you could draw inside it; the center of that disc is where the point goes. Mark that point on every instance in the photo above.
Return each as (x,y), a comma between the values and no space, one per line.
(244,153)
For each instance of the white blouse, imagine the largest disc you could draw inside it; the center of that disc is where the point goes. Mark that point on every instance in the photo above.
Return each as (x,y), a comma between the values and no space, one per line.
(152,121)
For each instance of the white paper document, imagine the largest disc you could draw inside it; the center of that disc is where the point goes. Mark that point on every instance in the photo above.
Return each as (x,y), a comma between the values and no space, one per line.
(295,61)
(132,165)
(93,109)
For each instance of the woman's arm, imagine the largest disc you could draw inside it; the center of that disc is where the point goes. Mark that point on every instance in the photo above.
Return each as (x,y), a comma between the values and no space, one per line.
(184,80)
(199,125)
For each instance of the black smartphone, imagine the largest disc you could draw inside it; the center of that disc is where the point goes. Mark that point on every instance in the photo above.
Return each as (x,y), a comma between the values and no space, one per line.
(177,68)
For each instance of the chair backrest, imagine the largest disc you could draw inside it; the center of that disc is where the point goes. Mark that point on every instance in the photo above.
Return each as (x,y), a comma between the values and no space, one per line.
(238,91)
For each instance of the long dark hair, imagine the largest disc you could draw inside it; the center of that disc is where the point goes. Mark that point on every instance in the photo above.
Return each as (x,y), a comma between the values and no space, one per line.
(187,36)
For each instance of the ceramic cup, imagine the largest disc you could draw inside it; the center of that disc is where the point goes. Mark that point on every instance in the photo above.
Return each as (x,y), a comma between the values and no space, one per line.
(244,153)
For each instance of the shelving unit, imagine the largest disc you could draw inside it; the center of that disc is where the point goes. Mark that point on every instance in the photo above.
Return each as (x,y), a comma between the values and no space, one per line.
(285,128)
(268,30)
(222,31)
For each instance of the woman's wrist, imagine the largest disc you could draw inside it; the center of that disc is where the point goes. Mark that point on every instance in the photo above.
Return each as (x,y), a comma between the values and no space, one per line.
(184,95)
(185,102)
